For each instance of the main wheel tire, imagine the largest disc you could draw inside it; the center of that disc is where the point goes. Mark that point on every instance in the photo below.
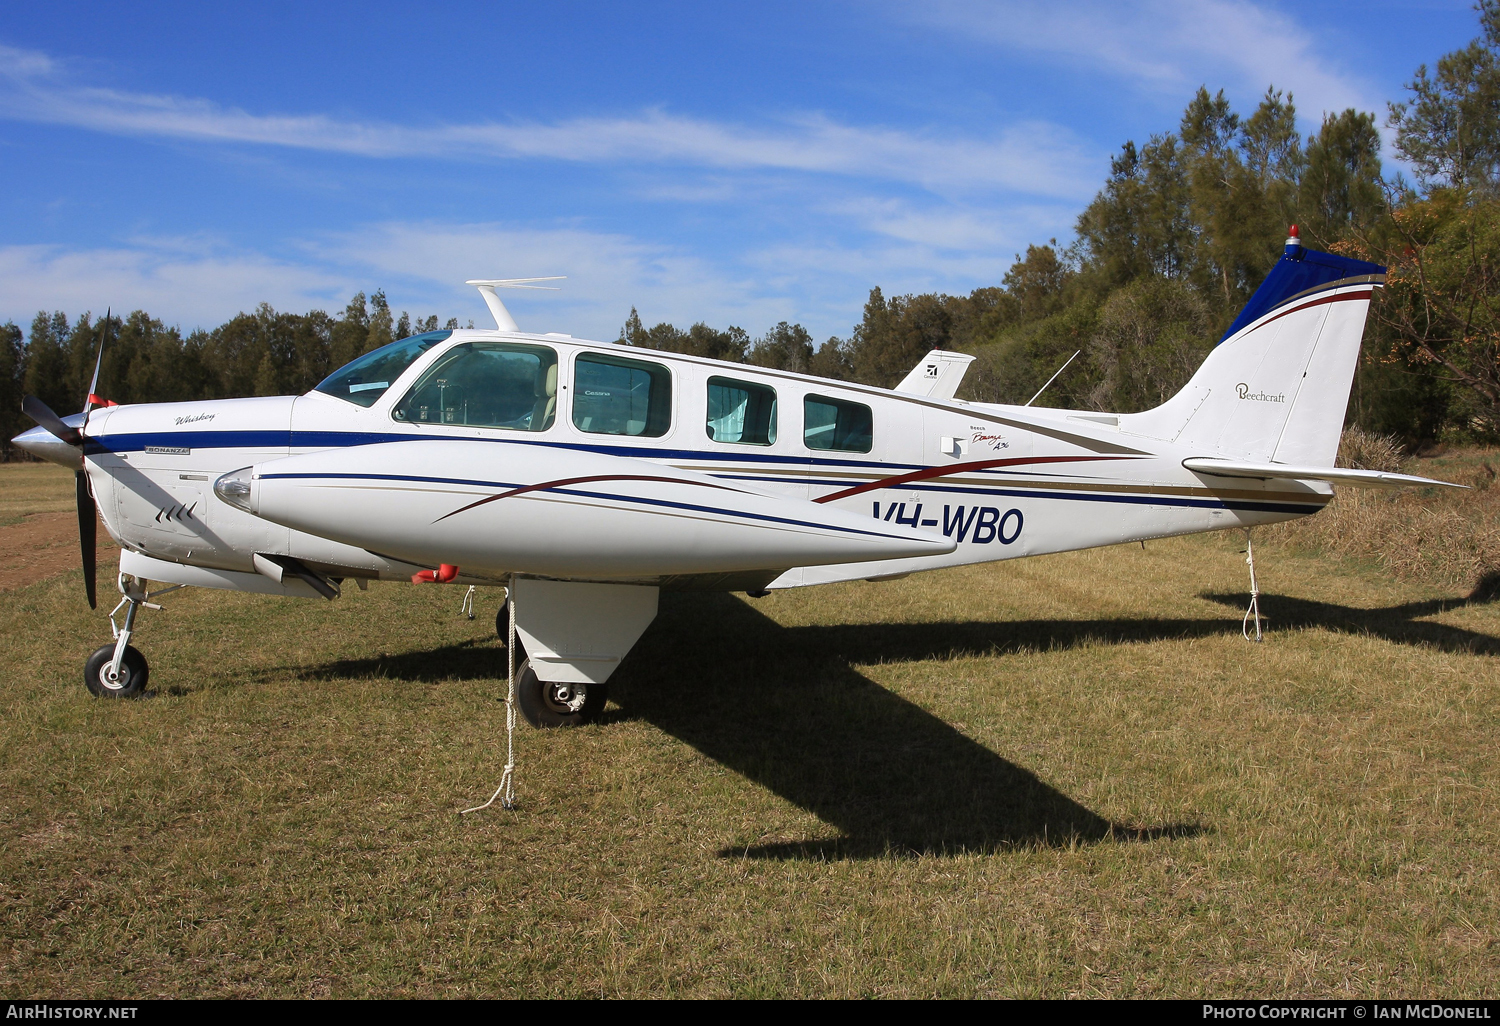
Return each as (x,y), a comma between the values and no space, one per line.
(557,704)
(502,630)
(131,683)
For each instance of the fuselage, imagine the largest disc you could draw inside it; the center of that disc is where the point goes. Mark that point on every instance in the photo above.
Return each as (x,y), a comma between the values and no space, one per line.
(985,482)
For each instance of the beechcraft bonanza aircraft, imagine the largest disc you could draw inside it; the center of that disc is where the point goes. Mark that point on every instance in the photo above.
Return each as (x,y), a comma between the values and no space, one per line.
(586,477)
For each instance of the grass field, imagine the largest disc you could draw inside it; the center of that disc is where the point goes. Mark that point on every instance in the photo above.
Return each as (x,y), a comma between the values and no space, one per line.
(30,488)
(1060,776)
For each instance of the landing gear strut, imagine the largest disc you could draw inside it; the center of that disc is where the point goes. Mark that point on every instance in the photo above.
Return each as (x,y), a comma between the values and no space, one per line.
(118,670)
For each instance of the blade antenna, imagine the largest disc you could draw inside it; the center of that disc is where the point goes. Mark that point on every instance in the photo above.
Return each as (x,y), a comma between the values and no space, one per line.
(1053,378)
(487,286)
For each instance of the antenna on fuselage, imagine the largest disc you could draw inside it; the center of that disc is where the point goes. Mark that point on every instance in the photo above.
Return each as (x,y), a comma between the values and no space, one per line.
(1052,378)
(503,320)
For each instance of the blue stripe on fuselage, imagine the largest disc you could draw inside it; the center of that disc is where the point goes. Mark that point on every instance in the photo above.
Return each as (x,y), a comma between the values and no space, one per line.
(593,495)
(264,440)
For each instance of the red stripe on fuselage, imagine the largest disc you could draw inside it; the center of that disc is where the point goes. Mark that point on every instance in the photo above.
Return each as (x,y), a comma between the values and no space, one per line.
(563,482)
(959,468)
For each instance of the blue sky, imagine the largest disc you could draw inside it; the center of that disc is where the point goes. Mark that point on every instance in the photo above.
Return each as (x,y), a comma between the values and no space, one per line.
(738,163)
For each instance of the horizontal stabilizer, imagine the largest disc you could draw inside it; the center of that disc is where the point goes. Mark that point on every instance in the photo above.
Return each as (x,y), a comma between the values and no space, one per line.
(1334,475)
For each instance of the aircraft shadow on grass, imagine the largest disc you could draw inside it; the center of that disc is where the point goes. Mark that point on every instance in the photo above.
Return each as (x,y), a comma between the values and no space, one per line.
(784,707)
(1400,624)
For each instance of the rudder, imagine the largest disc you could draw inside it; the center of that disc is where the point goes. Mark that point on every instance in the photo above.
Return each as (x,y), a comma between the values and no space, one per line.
(1277,385)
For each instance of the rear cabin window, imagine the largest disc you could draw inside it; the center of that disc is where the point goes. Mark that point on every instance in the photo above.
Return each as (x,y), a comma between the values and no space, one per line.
(836,424)
(616,396)
(486,384)
(367,378)
(741,411)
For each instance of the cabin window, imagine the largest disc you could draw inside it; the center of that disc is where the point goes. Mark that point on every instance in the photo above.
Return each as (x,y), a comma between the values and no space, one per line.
(616,396)
(741,411)
(367,378)
(836,424)
(486,384)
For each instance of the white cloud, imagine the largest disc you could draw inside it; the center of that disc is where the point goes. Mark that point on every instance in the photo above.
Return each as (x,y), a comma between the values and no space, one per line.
(957,228)
(182,283)
(1170,45)
(194,282)
(606,273)
(1038,158)
(198,282)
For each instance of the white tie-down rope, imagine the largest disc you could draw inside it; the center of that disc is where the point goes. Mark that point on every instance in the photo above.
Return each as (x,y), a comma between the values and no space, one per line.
(506,792)
(1254,609)
(467,609)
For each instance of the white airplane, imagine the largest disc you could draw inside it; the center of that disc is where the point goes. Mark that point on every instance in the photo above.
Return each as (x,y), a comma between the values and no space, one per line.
(586,477)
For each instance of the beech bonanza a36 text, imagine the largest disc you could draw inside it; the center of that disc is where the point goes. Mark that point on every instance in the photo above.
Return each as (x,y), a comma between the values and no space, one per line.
(586,477)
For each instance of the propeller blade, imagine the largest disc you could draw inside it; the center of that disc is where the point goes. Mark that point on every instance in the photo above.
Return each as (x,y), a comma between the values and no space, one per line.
(88,535)
(45,418)
(88,397)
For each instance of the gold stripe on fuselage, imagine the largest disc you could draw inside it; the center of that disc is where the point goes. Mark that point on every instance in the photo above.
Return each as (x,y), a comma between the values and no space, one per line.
(961,481)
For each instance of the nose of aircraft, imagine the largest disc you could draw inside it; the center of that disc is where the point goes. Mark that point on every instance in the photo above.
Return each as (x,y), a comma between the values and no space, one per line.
(44,444)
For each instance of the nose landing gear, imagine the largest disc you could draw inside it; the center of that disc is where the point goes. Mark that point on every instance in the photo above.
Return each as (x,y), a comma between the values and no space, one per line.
(118,670)
(116,674)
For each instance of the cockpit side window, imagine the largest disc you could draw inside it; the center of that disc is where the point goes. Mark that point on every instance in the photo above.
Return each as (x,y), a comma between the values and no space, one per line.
(366,379)
(486,384)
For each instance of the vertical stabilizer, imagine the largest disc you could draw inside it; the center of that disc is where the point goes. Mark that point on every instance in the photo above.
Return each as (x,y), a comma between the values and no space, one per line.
(938,375)
(1277,385)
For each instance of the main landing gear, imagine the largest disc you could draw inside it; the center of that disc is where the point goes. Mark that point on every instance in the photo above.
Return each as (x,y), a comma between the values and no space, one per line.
(557,703)
(118,670)
(549,703)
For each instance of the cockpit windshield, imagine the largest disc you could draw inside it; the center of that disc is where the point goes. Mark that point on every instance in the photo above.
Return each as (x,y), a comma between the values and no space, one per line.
(366,379)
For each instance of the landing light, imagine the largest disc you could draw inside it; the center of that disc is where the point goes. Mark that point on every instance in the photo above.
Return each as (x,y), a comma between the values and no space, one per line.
(234,488)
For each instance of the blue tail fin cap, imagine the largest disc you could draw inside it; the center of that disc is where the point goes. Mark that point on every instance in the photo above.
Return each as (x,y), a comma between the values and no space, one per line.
(1298,273)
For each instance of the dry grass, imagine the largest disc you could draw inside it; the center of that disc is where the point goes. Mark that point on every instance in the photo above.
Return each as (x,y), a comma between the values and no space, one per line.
(1431,535)
(1061,776)
(27,488)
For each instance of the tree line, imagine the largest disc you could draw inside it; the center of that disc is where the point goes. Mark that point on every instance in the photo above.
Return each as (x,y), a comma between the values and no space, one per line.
(1185,227)
(262,353)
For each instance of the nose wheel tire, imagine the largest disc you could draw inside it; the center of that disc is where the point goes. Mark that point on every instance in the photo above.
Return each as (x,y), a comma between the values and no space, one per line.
(131,681)
(557,703)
